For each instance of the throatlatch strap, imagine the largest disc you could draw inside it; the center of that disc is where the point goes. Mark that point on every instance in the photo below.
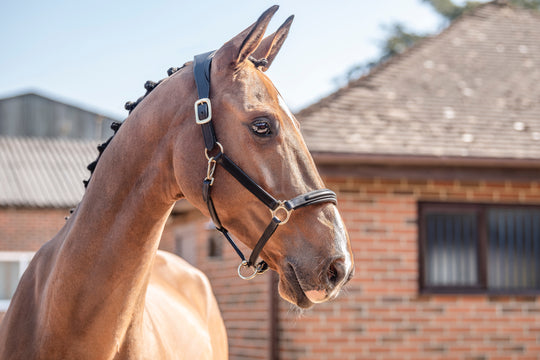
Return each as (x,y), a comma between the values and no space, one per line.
(207,188)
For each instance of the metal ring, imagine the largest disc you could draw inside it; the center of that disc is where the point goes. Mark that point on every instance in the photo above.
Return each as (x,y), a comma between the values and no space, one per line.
(220,151)
(281,207)
(243,264)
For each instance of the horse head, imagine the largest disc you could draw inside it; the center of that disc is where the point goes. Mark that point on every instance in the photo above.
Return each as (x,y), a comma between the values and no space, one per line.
(253,133)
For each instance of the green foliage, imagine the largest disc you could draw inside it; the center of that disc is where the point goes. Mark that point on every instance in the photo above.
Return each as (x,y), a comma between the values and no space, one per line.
(527,4)
(399,39)
(450,11)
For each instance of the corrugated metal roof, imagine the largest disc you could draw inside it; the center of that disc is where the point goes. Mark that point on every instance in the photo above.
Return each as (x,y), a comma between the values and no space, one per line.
(35,115)
(43,172)
(471,92)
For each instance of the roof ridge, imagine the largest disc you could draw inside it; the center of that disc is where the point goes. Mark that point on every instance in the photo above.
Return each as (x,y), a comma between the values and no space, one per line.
(75,104)
(468,92)
(363,81)
(48,139)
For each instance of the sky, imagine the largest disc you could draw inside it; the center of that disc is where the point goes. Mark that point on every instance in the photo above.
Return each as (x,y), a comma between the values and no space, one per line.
(98,54)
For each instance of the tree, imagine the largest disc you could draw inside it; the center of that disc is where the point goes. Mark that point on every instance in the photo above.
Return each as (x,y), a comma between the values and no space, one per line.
(399,39)
(450,11)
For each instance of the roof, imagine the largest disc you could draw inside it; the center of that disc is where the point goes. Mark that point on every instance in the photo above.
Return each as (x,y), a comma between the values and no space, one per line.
(43,172)
(35,115)
(472,91)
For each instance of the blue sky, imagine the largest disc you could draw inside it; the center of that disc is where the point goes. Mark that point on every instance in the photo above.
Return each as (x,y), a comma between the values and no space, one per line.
(98,54)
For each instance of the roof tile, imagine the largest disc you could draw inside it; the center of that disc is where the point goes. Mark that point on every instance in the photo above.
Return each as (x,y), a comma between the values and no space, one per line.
(470,91)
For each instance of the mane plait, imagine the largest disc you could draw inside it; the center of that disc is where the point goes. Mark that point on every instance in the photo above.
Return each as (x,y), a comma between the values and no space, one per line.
(115,126)
(149,86)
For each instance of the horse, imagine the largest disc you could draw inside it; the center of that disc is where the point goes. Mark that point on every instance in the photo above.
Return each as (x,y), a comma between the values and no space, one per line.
(217,133)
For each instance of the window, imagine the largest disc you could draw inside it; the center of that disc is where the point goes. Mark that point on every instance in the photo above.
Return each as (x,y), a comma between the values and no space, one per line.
(12,266)
(479,248)
(215,248)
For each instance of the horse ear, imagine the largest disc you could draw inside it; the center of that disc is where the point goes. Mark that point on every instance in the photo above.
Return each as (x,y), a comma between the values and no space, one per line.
(244,44)
(270,46)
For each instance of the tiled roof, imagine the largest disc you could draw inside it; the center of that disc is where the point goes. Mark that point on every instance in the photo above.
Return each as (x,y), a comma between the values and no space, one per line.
(472,91)
(42,172)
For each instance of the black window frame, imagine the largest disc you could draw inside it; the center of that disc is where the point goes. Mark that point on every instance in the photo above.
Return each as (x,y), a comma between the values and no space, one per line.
(481,286)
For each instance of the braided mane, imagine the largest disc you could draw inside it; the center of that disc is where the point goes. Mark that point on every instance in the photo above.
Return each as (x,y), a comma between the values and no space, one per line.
(130,105)
(115,126)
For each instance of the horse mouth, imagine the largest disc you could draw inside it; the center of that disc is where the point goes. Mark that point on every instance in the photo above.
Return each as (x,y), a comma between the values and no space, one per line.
(291,290)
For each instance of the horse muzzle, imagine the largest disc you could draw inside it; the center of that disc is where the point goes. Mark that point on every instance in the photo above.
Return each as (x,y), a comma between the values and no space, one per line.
(305,288)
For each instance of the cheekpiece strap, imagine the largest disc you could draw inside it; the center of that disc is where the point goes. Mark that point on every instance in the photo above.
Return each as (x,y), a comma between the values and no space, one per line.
(280,210)
(203,108)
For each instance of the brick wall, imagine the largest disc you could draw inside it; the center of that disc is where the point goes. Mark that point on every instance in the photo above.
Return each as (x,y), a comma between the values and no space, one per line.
(244,304)
(381,314)
(27,229)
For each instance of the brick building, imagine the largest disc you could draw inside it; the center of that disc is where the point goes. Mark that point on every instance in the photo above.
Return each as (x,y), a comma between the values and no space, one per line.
(435,157)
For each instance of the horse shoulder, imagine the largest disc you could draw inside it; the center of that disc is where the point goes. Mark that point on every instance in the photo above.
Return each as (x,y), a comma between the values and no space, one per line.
(181,312)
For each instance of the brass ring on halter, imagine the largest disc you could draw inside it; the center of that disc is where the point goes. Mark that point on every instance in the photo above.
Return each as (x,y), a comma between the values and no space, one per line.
(220,151)
(278,213)
(244,264)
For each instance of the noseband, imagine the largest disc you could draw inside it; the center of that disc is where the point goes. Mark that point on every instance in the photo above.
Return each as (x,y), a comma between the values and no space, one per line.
(280,210)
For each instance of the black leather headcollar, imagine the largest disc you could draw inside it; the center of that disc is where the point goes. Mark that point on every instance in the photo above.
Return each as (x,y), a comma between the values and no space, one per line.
(280,210)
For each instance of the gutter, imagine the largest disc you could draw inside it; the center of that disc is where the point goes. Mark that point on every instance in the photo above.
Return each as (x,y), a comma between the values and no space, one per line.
(328,159)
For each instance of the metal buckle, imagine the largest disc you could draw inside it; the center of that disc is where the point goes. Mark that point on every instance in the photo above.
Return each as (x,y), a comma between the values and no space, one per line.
(204,101)
(282,220)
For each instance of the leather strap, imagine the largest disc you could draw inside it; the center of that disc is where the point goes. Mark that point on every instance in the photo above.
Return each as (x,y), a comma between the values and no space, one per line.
(246,181)
(268,232)
(207,187)
(201,70)
(311,198)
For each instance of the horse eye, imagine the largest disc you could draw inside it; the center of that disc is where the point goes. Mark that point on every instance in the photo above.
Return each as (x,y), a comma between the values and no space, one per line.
(261,128)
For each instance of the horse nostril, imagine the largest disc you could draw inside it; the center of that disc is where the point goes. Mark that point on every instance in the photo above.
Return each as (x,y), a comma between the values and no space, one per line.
(332,274)
(336,272)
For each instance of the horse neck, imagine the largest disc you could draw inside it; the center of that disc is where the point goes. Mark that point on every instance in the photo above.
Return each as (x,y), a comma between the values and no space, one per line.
(105,252)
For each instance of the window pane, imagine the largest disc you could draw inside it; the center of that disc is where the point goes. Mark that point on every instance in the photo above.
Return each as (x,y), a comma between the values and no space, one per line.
(451,249)
(513,249)
(9,278)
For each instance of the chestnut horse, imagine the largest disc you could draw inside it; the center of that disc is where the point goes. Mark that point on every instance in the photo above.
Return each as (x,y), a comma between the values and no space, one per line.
(101,290)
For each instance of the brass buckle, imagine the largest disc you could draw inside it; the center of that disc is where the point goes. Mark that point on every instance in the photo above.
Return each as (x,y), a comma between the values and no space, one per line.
(208,105)
(279,211)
